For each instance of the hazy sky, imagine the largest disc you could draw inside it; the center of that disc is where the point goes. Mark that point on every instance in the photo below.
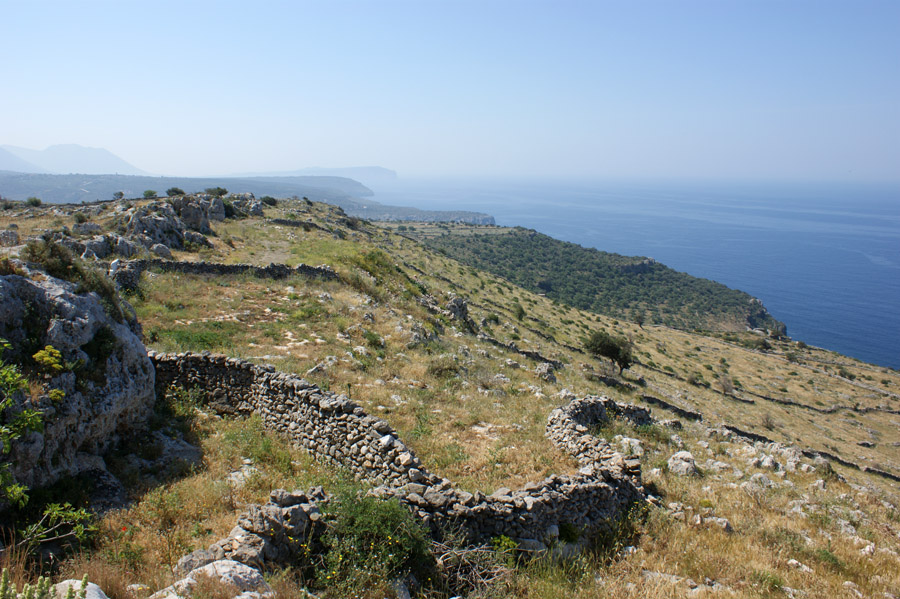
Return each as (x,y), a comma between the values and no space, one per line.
(749,89)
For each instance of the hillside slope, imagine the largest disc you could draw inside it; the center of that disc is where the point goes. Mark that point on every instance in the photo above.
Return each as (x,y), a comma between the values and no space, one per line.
(472,399)
(636,288)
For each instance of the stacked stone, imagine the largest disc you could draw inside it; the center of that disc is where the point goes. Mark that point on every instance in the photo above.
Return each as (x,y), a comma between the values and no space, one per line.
(336,429)
(285,530)
(129,271)
(570,429)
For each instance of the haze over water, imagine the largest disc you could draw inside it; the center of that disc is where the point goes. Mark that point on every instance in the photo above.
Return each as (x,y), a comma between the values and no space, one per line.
(824,259)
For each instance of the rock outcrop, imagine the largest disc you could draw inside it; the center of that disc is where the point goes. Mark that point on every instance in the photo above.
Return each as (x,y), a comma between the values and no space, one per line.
(105,376)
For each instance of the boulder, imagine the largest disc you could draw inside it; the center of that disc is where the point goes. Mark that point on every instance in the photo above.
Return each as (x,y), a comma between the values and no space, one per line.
(194,212)
(247,204)
(197,239)
(682,464)
(112,393)
(229,573)
(216,210)
(99,246)
(544,371)
(91,592)
(161,251)
(8,238)
(157,223)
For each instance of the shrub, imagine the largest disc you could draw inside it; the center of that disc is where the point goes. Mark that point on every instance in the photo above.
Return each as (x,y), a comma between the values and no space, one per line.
(369,542)
(229,209)
(518,311)
(443,366)
(33,201)
(269,201)
(81,217)
(118,195)
(216,191)
(617,349)
(149,194)
(174,191)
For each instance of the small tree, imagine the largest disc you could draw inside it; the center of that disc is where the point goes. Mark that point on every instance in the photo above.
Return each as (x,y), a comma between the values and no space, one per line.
(149,194)
(216,191)
(174,191)
(617,349)
(33,201)
(118,195)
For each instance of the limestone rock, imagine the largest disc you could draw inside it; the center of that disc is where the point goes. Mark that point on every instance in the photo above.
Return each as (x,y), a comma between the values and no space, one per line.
(544,371)
(158,223)
(8,238)
(242,579)
(93,591)
(112,394)
(682,464)
(161,251)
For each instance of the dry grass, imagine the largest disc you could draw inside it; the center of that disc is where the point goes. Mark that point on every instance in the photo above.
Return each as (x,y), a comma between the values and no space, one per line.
(484,432)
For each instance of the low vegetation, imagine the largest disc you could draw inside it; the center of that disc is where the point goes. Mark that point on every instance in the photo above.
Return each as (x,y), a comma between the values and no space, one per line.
(474,410)
(636,288)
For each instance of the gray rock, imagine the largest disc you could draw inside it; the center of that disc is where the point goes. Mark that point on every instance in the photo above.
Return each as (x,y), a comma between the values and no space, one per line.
(99,246)
(197,239)
(216,210)
(93,414)
(158,223)
(8,238)
(161,251)
(241,577)
(192,561)
(544,371)
(92,592)
(682,464)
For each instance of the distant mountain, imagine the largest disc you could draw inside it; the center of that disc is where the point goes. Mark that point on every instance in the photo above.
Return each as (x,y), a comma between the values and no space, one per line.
(71,158)
(371,176)
(11,162)
(340,191)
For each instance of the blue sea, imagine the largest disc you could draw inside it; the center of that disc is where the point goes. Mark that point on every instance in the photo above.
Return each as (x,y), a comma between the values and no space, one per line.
(824,259)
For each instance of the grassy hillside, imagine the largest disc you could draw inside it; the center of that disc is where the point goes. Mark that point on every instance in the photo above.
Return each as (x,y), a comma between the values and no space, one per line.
(475,412)
(622,286)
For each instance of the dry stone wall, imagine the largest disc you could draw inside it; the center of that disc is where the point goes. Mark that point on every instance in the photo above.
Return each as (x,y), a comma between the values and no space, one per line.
(128,274)
(338,430)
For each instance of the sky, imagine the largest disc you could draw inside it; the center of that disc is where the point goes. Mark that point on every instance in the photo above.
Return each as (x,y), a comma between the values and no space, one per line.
(755,89)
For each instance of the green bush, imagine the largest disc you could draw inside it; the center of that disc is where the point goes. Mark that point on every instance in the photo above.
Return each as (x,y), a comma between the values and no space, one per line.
(81,217)
(149,194)
(369,542)
(33,201)
(617,349)
(216,191)
(269,201)
(174,191)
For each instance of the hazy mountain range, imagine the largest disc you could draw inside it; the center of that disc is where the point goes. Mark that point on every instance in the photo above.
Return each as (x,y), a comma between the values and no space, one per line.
(65,159)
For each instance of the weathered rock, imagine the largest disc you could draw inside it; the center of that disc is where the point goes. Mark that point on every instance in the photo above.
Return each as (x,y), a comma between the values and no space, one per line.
(8,238)
(544,371)
(242,578)
(216,210)
(92,591)
(161,250)
(682,464)
(111,395)
(158,223)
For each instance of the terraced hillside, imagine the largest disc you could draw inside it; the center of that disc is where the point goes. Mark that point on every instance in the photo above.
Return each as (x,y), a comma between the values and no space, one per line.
(636,288)
(790,488)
